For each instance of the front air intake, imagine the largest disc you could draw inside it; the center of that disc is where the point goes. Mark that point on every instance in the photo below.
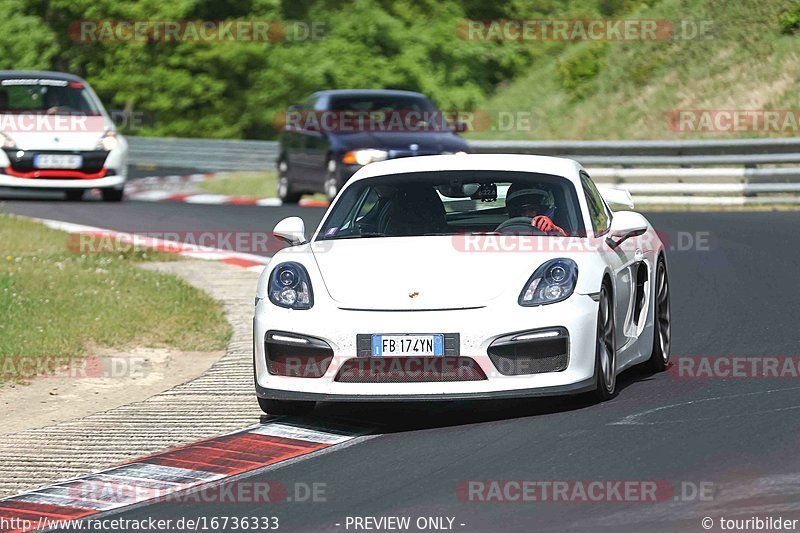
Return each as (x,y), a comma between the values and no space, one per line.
(531,352)
(297,356)
(409,370)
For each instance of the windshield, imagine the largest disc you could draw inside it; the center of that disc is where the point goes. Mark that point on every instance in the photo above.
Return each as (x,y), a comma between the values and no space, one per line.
(453,202)
(367,103)
(42,96)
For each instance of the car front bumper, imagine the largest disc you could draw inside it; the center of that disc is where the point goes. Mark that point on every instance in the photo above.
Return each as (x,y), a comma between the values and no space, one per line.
(114,182)
(111,172)
(477,330)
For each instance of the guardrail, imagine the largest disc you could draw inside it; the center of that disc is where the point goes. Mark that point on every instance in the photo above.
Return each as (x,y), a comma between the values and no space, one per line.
(205,155)
(786,145)
(678,170)
(215,155)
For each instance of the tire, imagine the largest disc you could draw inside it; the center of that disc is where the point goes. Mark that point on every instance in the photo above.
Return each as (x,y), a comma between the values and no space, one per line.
(74,195)
(112,195)
(285,407)
(605,364)
(285,190)
(331,185)
(662,321)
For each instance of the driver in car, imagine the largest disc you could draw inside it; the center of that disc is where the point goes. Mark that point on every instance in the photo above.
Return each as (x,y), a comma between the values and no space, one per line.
(530,206)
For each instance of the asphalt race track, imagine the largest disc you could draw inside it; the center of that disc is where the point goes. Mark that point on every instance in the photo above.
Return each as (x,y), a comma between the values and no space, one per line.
(733,294)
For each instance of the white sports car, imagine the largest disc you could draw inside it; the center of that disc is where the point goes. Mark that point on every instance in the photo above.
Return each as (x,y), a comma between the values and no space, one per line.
(458,277)
(55,134)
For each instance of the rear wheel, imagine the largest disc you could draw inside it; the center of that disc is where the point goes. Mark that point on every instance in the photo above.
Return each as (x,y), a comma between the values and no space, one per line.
(74,195)
(112,195)
(285,191)
(285,407)
(605,367)
(662,323)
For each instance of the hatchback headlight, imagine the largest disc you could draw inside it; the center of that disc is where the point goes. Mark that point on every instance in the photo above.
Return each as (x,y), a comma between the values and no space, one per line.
(108,141)
(290,286)
(7,142)
(364,157)
(552,282)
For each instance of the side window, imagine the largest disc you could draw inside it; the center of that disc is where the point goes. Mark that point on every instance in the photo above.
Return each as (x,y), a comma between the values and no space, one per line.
(367,201)
(318,102)
(598,212)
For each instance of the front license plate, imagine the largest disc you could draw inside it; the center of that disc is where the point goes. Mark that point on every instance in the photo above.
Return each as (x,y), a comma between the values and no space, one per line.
(69,162)
(407,345)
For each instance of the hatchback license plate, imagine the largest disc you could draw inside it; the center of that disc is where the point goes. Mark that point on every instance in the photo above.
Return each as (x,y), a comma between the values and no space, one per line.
(68,162)
(420,345)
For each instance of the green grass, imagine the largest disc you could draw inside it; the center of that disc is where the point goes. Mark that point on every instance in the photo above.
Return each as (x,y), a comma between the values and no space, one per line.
(624,90)
(56,303)
(246,184)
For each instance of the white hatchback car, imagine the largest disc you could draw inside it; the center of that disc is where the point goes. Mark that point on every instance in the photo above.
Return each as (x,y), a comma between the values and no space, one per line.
(55,134)
(428,279)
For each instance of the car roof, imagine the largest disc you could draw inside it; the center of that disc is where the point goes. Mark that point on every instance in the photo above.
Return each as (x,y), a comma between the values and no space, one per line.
(557,166)
(35,74)
(368,92)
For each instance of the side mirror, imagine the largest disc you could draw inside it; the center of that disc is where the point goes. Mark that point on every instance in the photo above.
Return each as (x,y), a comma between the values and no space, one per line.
(617,199)
(291,230)
(625,225)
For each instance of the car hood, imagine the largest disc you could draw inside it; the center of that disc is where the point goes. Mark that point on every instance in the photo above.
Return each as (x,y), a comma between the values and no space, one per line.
(427,142)
(416,273)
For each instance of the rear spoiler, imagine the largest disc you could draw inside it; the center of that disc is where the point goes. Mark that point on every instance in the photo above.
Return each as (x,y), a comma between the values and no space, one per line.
(617,199)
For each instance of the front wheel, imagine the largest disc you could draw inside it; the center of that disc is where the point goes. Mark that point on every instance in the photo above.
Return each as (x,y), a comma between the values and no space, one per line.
(285,407)
(662,321)
(74,195)
(112,195)
(605,367)
(331,184)
(285,191)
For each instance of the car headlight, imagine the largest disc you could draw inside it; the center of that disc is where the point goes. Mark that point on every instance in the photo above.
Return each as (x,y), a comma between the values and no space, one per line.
(108,141)
(7,142)
(290,286)
(552,282)
(364,157)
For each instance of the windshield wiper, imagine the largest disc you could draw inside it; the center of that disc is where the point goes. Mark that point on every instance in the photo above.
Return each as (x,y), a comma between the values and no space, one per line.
(461,233)
(365,235)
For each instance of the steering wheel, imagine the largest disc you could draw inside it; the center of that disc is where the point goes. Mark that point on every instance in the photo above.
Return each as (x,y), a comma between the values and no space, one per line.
(519,226)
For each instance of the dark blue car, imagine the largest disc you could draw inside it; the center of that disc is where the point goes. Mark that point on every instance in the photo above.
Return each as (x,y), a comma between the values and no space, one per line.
(332,134)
